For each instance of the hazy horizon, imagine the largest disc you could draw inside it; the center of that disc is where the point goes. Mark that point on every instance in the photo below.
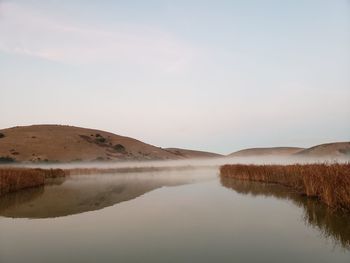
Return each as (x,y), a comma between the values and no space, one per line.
(217,77)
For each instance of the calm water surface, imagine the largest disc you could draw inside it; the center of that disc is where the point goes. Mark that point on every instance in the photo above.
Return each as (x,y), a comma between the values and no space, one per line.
(175,216)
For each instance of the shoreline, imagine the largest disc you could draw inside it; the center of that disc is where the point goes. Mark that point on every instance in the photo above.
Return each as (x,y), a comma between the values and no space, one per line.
(330,183)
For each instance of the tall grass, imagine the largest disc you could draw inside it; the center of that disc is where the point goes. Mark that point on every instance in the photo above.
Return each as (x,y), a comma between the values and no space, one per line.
(86,171)
(328,182)
(14,179)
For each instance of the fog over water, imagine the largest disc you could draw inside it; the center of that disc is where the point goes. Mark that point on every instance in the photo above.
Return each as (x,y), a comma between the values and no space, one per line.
(217,76)
(193,163)
(83,193)
(169,211)
(172,215)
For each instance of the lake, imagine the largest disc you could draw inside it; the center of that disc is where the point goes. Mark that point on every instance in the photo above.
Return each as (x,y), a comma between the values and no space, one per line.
(190,215)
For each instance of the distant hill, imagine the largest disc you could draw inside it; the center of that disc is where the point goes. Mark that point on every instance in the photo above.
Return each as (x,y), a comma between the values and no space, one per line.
(337,149)
(192,153)
(280,151)
(60,143)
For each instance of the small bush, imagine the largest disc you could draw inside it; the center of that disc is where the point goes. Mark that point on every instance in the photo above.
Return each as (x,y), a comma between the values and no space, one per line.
(6,159)
(344,151)
(119,148)
(100,139)
(2,135)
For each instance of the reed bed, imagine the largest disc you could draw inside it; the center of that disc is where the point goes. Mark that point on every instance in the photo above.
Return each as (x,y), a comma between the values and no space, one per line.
(15,179)
(330,183)
(92,171)
(89,171)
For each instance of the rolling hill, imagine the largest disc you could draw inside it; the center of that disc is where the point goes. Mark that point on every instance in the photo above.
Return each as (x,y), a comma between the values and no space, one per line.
(185,153)
(337,149)
(58,143)
(280,151)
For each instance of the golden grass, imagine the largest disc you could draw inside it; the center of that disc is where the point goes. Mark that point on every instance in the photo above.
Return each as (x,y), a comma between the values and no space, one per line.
(87,171)
(328,182)
(14,179)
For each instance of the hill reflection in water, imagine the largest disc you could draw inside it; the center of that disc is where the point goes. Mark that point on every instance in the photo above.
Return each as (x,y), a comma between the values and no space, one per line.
(84,193)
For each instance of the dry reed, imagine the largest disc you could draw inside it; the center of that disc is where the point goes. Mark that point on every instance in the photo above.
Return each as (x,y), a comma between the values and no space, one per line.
(88,171)
(328,182)
(14,179)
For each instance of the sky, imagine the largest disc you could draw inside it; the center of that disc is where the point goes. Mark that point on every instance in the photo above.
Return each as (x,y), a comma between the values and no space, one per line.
(209,75)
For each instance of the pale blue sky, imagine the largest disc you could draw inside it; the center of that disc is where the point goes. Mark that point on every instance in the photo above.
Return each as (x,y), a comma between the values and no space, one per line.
(210,75)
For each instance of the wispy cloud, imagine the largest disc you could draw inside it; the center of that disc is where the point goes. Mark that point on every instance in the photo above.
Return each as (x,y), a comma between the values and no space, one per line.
(29,32)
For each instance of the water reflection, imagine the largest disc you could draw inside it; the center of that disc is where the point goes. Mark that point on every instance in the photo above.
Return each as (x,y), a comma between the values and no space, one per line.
(85,193)
(334,225)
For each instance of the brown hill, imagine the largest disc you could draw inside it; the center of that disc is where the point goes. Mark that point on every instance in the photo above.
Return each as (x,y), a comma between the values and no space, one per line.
(280,151)
(66,143)
(337,149)
(185,153)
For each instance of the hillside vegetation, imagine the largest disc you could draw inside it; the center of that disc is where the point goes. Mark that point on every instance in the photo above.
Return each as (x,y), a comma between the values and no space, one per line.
(56,143)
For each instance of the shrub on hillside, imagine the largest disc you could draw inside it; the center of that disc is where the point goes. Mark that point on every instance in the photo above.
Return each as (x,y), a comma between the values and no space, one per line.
(6,159)
(2,135)
(100,139)
(119,148)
